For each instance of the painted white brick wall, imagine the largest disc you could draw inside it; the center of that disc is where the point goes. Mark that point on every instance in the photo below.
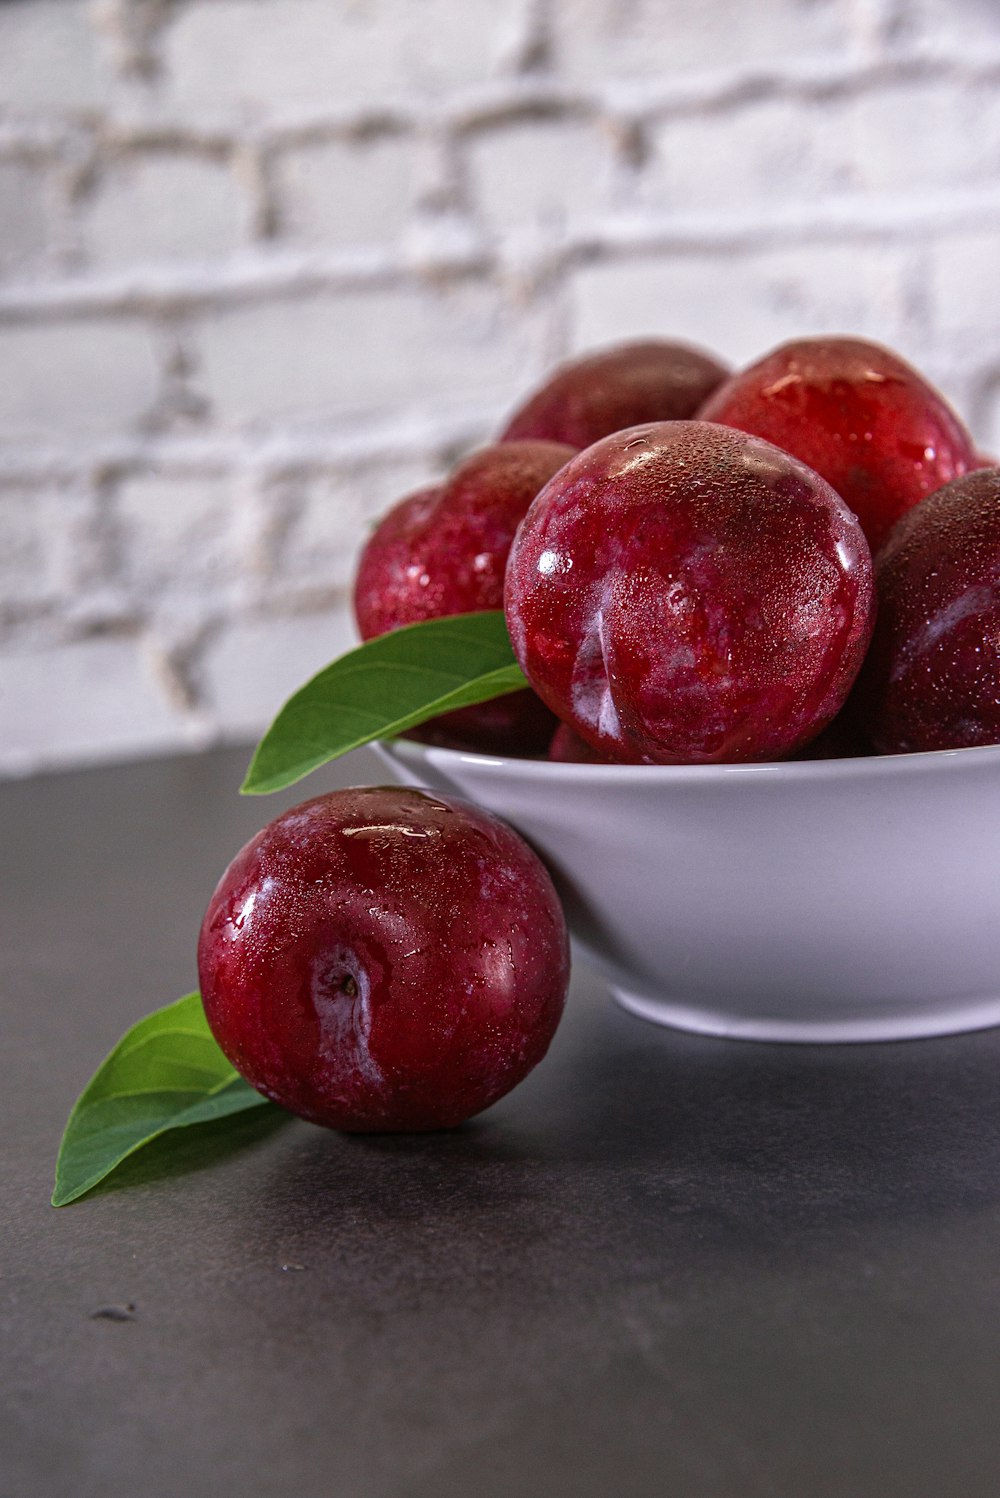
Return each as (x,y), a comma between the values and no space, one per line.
(51,58)
(251,57)
(345,194)
(62,379)
(267,265)
(23,217)
(645,40)
(162,206)
(744,304)
(301,360)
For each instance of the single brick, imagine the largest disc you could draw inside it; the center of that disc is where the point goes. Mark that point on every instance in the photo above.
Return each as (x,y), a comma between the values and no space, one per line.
(45,543)
(252,667)
(51,57)
(23,218)
(60,379)
(176,535)
(163,206)
(919,136)
(741,305)
(92,700)
(305,359)
(600,40)
(345,193)
(745,161)
(539,174)
(262,55)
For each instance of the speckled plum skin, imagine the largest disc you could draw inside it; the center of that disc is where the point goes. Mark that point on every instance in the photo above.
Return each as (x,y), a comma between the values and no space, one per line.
(381,960)
(684,593)
(589,398)
(443,551)
(862,418)
(932,677)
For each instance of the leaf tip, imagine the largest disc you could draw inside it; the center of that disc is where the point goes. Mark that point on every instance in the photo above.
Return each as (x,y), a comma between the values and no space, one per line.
(249,783)
(256,785)
(63,1195)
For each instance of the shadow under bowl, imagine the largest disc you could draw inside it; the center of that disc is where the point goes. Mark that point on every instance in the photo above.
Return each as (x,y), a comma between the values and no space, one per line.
(817,900)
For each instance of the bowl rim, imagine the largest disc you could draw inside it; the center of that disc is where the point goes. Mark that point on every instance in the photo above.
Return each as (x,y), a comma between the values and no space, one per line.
(859,769)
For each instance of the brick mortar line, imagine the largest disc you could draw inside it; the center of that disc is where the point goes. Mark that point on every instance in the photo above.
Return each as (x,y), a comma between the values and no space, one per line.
(256,278)
(491,104)
(808,85)
(386,441)
(854,217)
(245,278)
(170,654)
(145,619)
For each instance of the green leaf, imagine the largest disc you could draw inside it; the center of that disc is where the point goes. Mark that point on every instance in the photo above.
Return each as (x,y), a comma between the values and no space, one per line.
(382,688)
(165,1073)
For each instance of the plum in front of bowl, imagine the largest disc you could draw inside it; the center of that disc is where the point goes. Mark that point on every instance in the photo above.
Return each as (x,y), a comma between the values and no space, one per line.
(379,959)
(591,397)
(862,418)
(684,593)
(443,551)
(932,677)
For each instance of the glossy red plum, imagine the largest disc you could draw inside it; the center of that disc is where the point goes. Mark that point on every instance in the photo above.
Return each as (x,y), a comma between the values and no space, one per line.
(863,419)
(684,593)
(443,551)
(378,960)
(932,677)
(589,398)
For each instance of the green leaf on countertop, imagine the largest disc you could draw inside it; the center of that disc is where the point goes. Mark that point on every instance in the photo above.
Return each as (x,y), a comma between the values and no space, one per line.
(165,1073)
(382,688)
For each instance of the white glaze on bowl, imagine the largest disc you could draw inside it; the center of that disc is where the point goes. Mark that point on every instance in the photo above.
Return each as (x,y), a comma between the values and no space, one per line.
(820,900)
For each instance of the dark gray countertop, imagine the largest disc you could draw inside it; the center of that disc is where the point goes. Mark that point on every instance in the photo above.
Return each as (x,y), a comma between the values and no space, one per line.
(663,1266)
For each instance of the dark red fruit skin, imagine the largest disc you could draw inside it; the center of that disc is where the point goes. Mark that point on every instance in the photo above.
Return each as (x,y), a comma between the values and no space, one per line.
(932,677)
(684,593)
(443,551)
(589,398)
(862,418)
(516,726)
(379,960)
(841,739)
(567,748)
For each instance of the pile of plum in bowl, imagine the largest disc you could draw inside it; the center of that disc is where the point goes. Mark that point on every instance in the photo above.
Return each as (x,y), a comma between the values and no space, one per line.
(746,745)
(760,616)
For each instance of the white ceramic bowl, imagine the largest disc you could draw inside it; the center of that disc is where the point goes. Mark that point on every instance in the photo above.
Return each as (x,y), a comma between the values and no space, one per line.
(821,900)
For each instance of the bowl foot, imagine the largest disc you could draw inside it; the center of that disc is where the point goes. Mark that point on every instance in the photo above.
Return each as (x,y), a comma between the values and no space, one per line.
(702,1019)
